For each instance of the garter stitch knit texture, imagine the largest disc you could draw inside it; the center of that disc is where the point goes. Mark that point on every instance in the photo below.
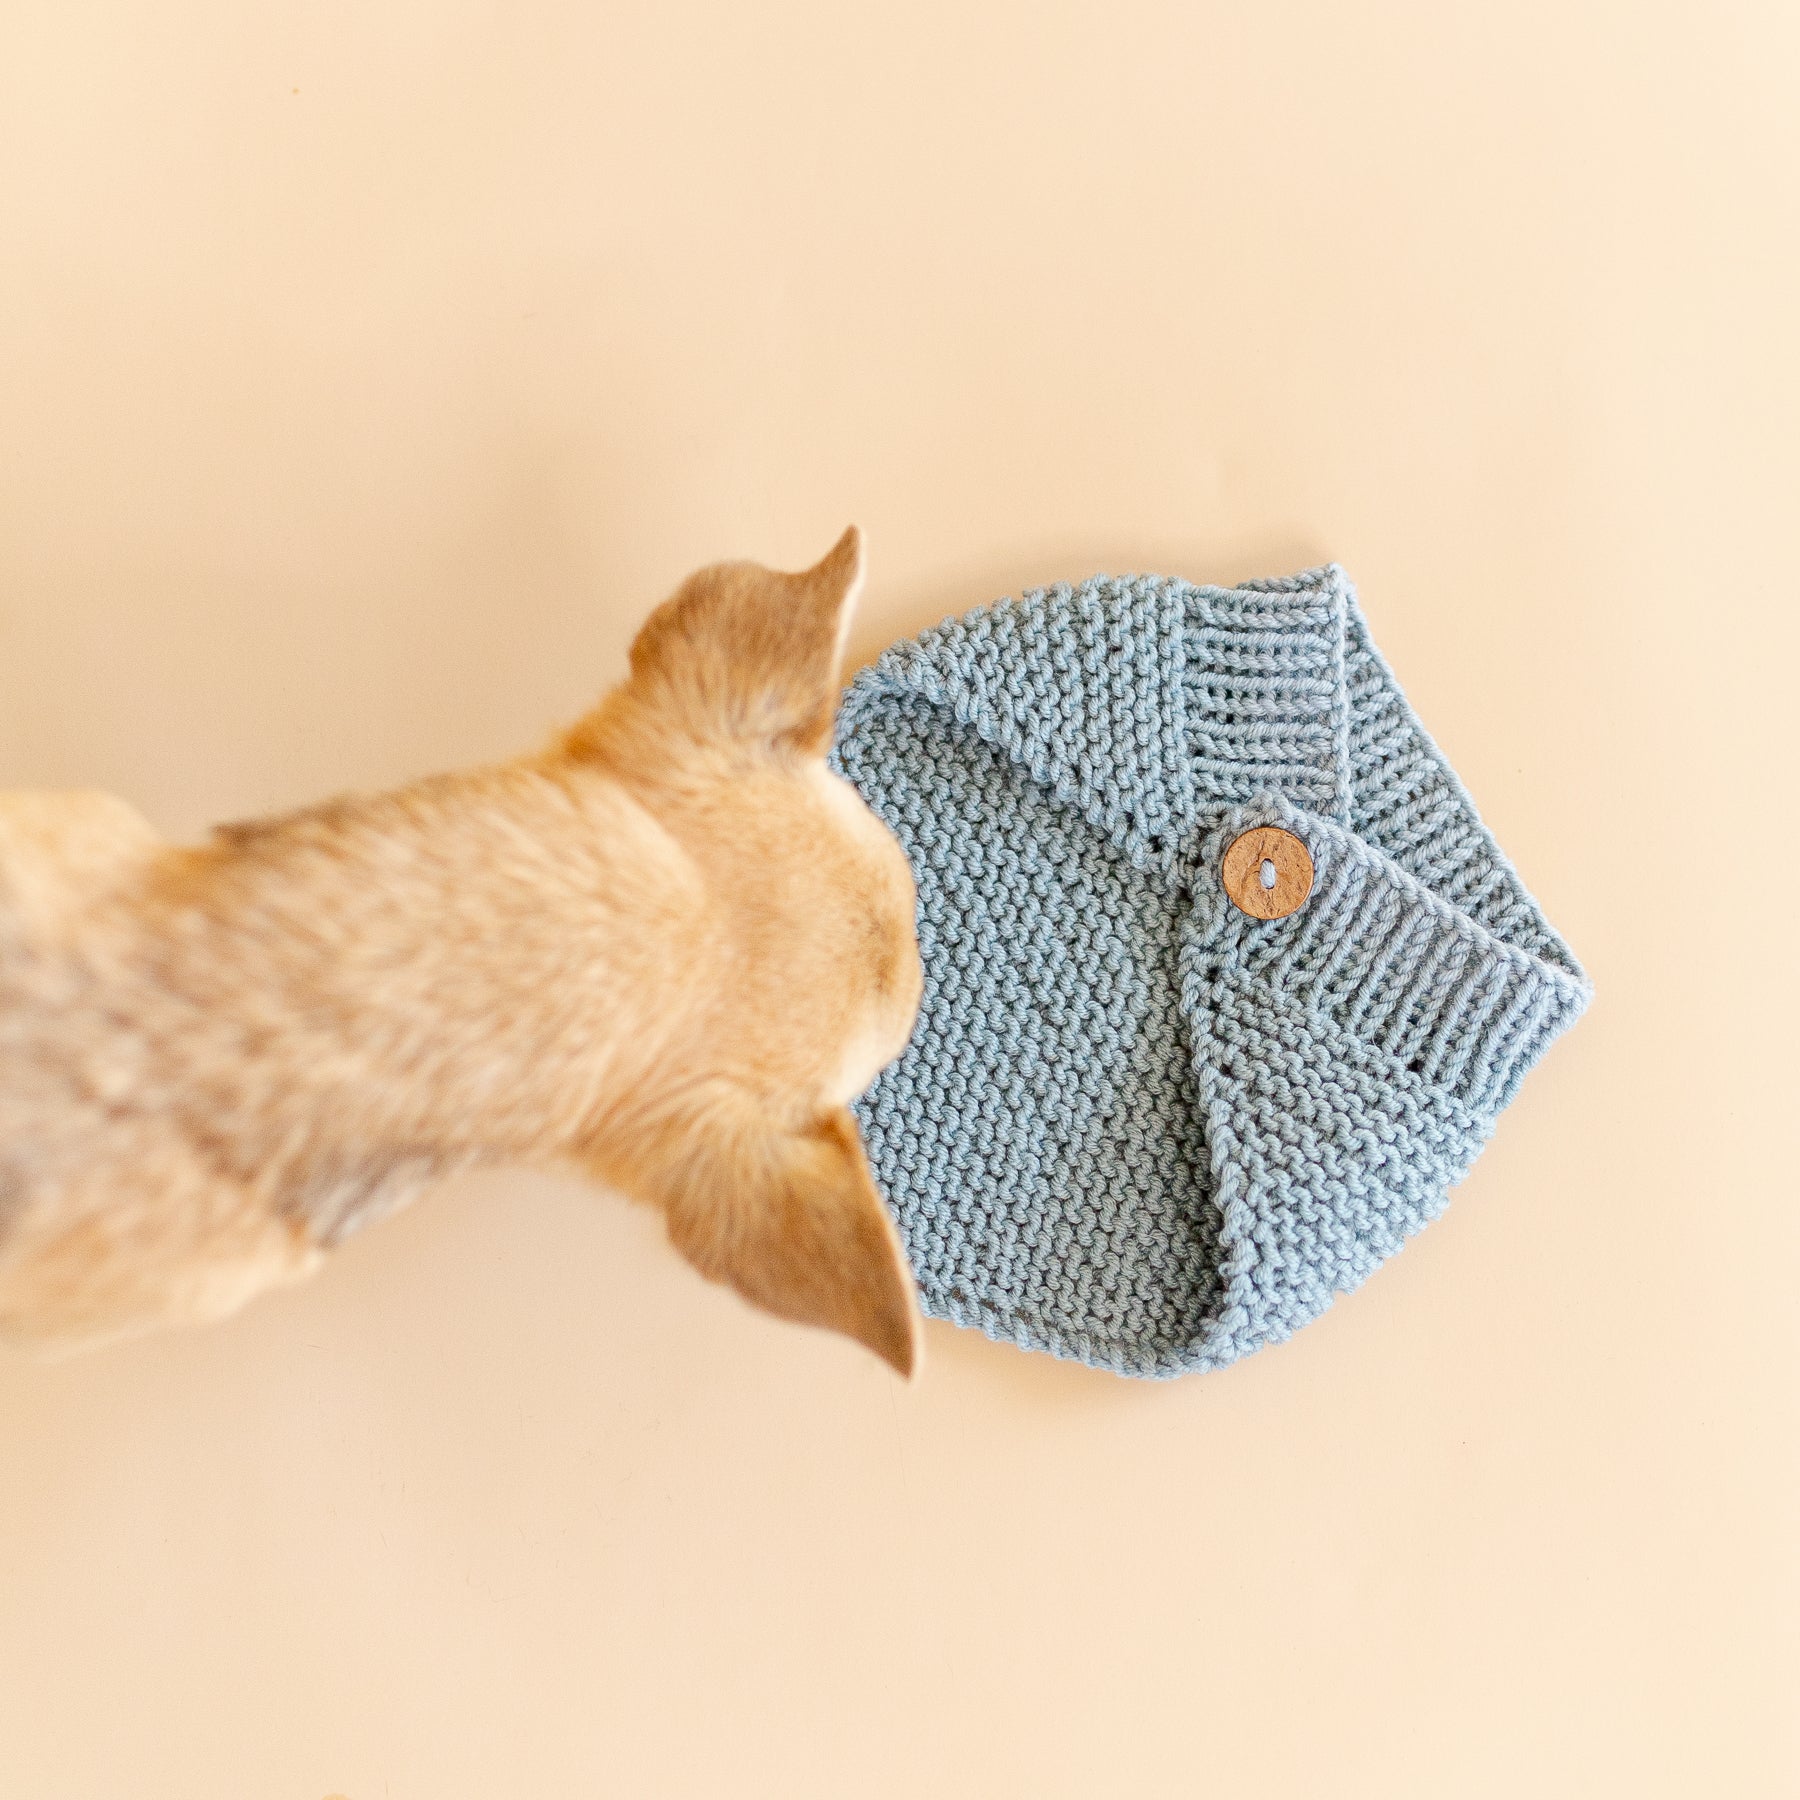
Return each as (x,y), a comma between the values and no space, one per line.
(1135,1125)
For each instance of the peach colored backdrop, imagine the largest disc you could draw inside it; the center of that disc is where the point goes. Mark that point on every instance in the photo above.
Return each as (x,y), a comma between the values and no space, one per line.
(366,373)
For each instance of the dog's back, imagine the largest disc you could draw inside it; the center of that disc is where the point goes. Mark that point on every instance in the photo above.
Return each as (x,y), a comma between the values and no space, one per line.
(62,856)
(58,854)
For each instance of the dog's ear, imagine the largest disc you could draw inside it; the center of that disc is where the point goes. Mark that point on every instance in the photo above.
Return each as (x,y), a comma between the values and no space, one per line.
(792,1220)
(748,654)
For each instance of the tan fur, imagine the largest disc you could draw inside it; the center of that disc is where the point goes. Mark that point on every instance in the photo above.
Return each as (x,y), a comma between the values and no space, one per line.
(667,950)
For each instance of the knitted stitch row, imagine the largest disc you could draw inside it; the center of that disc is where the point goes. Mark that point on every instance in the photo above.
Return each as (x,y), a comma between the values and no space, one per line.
(1135,1125)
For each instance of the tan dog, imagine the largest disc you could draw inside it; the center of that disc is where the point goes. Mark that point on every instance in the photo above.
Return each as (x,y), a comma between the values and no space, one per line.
(667,951)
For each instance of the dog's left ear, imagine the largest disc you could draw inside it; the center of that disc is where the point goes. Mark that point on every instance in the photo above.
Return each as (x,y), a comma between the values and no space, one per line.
(747,654)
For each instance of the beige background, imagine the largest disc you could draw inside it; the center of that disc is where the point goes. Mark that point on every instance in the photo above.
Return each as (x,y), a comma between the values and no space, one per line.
(368,370)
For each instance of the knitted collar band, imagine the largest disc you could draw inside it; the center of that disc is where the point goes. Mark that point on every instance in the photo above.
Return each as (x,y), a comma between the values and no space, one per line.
(1138,1125)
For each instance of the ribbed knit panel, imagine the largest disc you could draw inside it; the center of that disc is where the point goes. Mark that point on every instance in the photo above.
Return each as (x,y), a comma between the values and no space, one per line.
(1264,694)
(1397,967)
(1405,800)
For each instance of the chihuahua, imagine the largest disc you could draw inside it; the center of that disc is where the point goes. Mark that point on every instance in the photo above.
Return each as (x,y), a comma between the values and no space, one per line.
(666,951)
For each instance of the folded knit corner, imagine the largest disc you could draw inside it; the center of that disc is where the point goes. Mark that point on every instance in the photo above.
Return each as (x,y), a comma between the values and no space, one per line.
(1136,1125)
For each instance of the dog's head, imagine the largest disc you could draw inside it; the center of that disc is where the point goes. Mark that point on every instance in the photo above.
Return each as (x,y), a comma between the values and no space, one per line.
(722,729)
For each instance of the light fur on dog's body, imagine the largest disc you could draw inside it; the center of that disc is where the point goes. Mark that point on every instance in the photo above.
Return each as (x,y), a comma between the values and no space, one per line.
(668,950)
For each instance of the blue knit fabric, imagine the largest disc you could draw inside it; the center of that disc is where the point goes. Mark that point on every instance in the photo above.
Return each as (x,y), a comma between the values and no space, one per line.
(1135,1125)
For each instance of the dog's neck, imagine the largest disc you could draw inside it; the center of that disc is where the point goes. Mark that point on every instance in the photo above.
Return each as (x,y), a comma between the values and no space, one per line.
(469,967)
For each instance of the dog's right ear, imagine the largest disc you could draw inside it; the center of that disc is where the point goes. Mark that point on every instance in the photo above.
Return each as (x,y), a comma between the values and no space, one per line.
(751,655)
(790,1217)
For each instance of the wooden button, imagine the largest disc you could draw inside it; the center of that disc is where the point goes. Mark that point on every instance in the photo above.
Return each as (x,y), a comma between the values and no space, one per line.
(1267,872)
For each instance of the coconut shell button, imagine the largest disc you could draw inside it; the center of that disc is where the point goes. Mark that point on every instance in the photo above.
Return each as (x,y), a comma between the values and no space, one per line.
(1267,872)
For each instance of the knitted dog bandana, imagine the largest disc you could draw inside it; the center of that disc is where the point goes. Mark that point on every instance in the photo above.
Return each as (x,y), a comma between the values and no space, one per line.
(1138,1124)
